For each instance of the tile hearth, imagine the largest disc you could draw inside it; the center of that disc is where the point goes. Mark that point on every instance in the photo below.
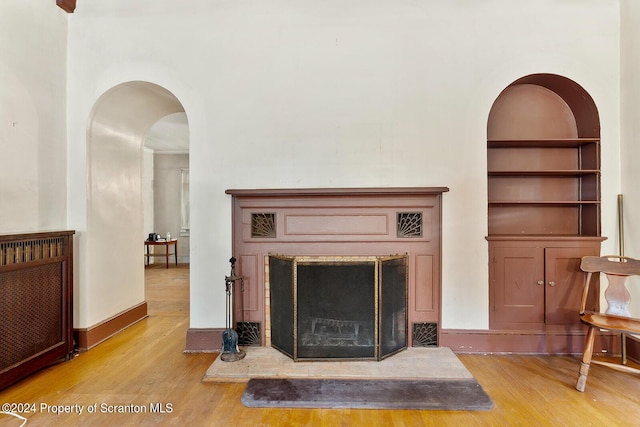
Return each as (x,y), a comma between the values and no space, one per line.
(413,363)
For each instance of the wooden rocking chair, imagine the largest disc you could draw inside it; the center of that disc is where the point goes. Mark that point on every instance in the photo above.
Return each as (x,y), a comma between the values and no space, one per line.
(616,317)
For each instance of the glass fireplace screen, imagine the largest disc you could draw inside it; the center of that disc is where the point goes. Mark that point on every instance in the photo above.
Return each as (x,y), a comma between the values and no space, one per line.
(325,308)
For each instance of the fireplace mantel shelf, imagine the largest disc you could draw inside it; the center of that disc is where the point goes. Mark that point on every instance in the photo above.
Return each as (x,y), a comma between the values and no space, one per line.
(284,192)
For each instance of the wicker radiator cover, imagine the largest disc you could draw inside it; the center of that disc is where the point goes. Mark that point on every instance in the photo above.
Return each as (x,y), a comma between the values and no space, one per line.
(36,326)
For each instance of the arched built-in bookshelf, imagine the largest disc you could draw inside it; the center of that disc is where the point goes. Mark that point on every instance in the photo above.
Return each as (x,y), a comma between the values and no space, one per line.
(543,174)
(543,152)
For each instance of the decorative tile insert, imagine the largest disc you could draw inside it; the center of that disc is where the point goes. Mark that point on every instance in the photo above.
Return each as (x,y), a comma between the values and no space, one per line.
(248,333)
(409,224)
(425,334)
(263,225)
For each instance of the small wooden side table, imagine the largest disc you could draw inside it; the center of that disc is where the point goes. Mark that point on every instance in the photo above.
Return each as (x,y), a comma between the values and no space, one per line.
(166,254)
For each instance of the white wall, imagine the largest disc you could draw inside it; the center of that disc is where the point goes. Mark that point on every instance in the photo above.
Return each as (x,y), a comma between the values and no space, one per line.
(33,59)
(342,94)
(630,130)
(147,193)
(168,199)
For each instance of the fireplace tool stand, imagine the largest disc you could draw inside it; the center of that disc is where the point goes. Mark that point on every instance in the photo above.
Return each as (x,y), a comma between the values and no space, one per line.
(230,351)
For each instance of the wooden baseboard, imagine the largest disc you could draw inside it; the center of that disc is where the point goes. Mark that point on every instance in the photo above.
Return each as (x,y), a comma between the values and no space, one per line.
(87,338)
(209,340)
(204,340)
(526,342)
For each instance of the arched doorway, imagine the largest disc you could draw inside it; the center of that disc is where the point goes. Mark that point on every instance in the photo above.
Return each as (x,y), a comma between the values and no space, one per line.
(117,127)
(543,163)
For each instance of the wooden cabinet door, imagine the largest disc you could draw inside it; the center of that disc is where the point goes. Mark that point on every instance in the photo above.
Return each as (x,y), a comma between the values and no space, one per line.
(518,286)
(564,284)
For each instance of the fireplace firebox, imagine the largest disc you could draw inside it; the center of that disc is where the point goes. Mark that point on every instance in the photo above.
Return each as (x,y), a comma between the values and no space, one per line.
(327,308)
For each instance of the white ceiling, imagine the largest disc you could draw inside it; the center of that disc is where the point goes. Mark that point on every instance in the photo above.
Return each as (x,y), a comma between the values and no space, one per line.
(170,134)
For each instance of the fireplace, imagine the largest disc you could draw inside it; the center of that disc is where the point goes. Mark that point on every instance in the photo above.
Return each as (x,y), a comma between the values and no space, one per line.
(352,229)
(327,308)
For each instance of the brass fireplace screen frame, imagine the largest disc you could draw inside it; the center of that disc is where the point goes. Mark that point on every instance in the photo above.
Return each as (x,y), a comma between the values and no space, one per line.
(386,335)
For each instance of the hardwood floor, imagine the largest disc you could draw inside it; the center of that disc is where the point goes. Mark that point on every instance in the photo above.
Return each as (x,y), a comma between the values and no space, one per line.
(144,368)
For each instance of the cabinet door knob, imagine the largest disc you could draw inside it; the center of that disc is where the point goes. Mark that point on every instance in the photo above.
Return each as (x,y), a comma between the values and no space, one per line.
(552,283)
(540,282)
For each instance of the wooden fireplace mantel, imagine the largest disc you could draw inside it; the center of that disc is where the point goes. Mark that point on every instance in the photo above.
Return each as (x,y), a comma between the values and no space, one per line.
(337,222)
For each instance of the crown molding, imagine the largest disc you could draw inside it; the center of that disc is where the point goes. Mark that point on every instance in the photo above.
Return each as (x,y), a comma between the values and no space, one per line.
(67,5)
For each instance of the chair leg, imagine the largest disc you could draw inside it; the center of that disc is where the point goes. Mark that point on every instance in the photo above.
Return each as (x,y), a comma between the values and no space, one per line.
(586,359)
(582,378)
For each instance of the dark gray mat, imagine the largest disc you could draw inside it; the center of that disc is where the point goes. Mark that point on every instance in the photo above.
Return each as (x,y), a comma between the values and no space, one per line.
(440,394)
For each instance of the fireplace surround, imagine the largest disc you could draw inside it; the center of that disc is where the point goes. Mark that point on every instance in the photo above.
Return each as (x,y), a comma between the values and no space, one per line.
(342,223)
